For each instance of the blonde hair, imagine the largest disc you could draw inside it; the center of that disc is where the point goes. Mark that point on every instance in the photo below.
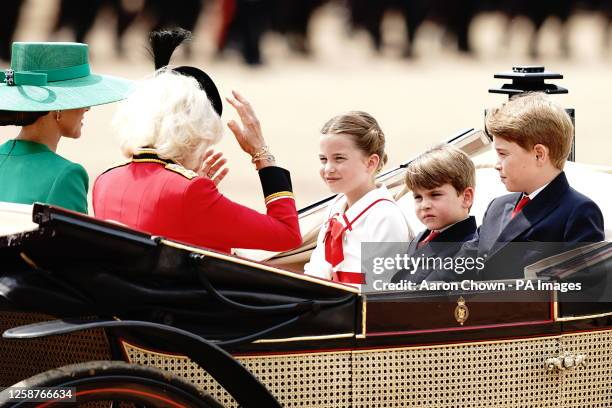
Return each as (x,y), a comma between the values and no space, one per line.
(441,165)
(364,130)
(171,113)
(530,119)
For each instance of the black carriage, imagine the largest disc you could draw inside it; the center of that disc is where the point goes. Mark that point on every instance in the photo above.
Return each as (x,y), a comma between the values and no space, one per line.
(249,334)
(120,315)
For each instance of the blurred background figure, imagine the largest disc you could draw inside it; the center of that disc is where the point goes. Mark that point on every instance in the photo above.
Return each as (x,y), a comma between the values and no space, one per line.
(454,16)
(244,25)
(537,12)
(8,24)
(79,17)
(422,66)
(292,19)
(244,22)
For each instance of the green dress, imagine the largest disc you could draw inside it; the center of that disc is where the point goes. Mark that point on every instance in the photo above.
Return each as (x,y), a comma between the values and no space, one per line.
(30,172)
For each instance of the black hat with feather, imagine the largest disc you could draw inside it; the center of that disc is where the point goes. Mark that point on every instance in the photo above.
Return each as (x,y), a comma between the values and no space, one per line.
(163,43)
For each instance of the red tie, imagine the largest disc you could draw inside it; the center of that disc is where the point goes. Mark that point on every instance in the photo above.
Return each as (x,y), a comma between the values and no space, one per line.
(428,238)
(520,206)
(334,252)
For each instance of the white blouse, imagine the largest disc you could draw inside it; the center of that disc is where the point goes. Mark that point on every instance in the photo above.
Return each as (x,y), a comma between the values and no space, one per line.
(383,222)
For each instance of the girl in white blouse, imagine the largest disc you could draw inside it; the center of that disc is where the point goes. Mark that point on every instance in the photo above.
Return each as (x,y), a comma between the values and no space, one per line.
(352,151)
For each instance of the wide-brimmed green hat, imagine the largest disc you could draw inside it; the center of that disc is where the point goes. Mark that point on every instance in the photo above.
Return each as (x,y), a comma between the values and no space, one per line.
(47,76)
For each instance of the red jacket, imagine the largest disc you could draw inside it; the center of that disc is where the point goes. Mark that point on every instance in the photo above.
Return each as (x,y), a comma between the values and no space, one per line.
(163,198)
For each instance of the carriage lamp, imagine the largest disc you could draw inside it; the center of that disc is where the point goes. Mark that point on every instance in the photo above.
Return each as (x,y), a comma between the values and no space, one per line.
(531,78)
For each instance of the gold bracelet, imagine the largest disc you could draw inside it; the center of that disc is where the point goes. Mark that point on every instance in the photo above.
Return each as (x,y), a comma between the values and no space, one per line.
(261,152)
(269,157)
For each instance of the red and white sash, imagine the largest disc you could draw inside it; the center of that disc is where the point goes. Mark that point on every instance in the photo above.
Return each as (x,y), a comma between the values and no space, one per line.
(334,250)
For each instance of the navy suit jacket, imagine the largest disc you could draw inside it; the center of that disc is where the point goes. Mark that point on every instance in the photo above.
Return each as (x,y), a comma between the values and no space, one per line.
(447,244)
(557,219)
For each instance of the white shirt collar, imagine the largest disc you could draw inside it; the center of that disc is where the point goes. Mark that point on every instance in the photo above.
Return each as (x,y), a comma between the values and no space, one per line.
(536,192)
(381,192)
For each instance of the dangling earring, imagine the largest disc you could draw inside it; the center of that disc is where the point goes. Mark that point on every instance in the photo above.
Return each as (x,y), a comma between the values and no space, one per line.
(57,115)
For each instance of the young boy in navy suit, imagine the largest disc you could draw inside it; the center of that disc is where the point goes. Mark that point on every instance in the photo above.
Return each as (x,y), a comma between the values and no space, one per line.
(532,137)
(442,181)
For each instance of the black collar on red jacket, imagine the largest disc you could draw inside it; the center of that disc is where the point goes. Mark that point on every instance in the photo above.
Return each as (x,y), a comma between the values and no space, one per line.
(149,155)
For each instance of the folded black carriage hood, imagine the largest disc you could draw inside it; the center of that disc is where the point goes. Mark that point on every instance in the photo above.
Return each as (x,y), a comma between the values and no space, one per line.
(75,265)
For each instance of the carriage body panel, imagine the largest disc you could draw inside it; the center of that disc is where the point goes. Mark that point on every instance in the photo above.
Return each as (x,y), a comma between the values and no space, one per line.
(353,349)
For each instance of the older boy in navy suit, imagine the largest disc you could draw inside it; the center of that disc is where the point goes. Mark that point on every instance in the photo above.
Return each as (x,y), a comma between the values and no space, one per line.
(442,181)
(532,137)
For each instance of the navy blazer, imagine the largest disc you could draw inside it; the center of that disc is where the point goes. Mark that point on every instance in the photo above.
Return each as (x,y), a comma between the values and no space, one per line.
(447,244)
(559,217)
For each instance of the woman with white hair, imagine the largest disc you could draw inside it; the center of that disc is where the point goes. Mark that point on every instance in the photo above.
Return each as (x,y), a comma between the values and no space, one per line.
(165,127)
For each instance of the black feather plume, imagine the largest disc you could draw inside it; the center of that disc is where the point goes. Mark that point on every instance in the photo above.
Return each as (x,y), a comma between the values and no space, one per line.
(164,42)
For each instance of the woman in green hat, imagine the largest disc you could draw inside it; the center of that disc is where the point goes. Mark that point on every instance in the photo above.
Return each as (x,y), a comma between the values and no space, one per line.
(47,90)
